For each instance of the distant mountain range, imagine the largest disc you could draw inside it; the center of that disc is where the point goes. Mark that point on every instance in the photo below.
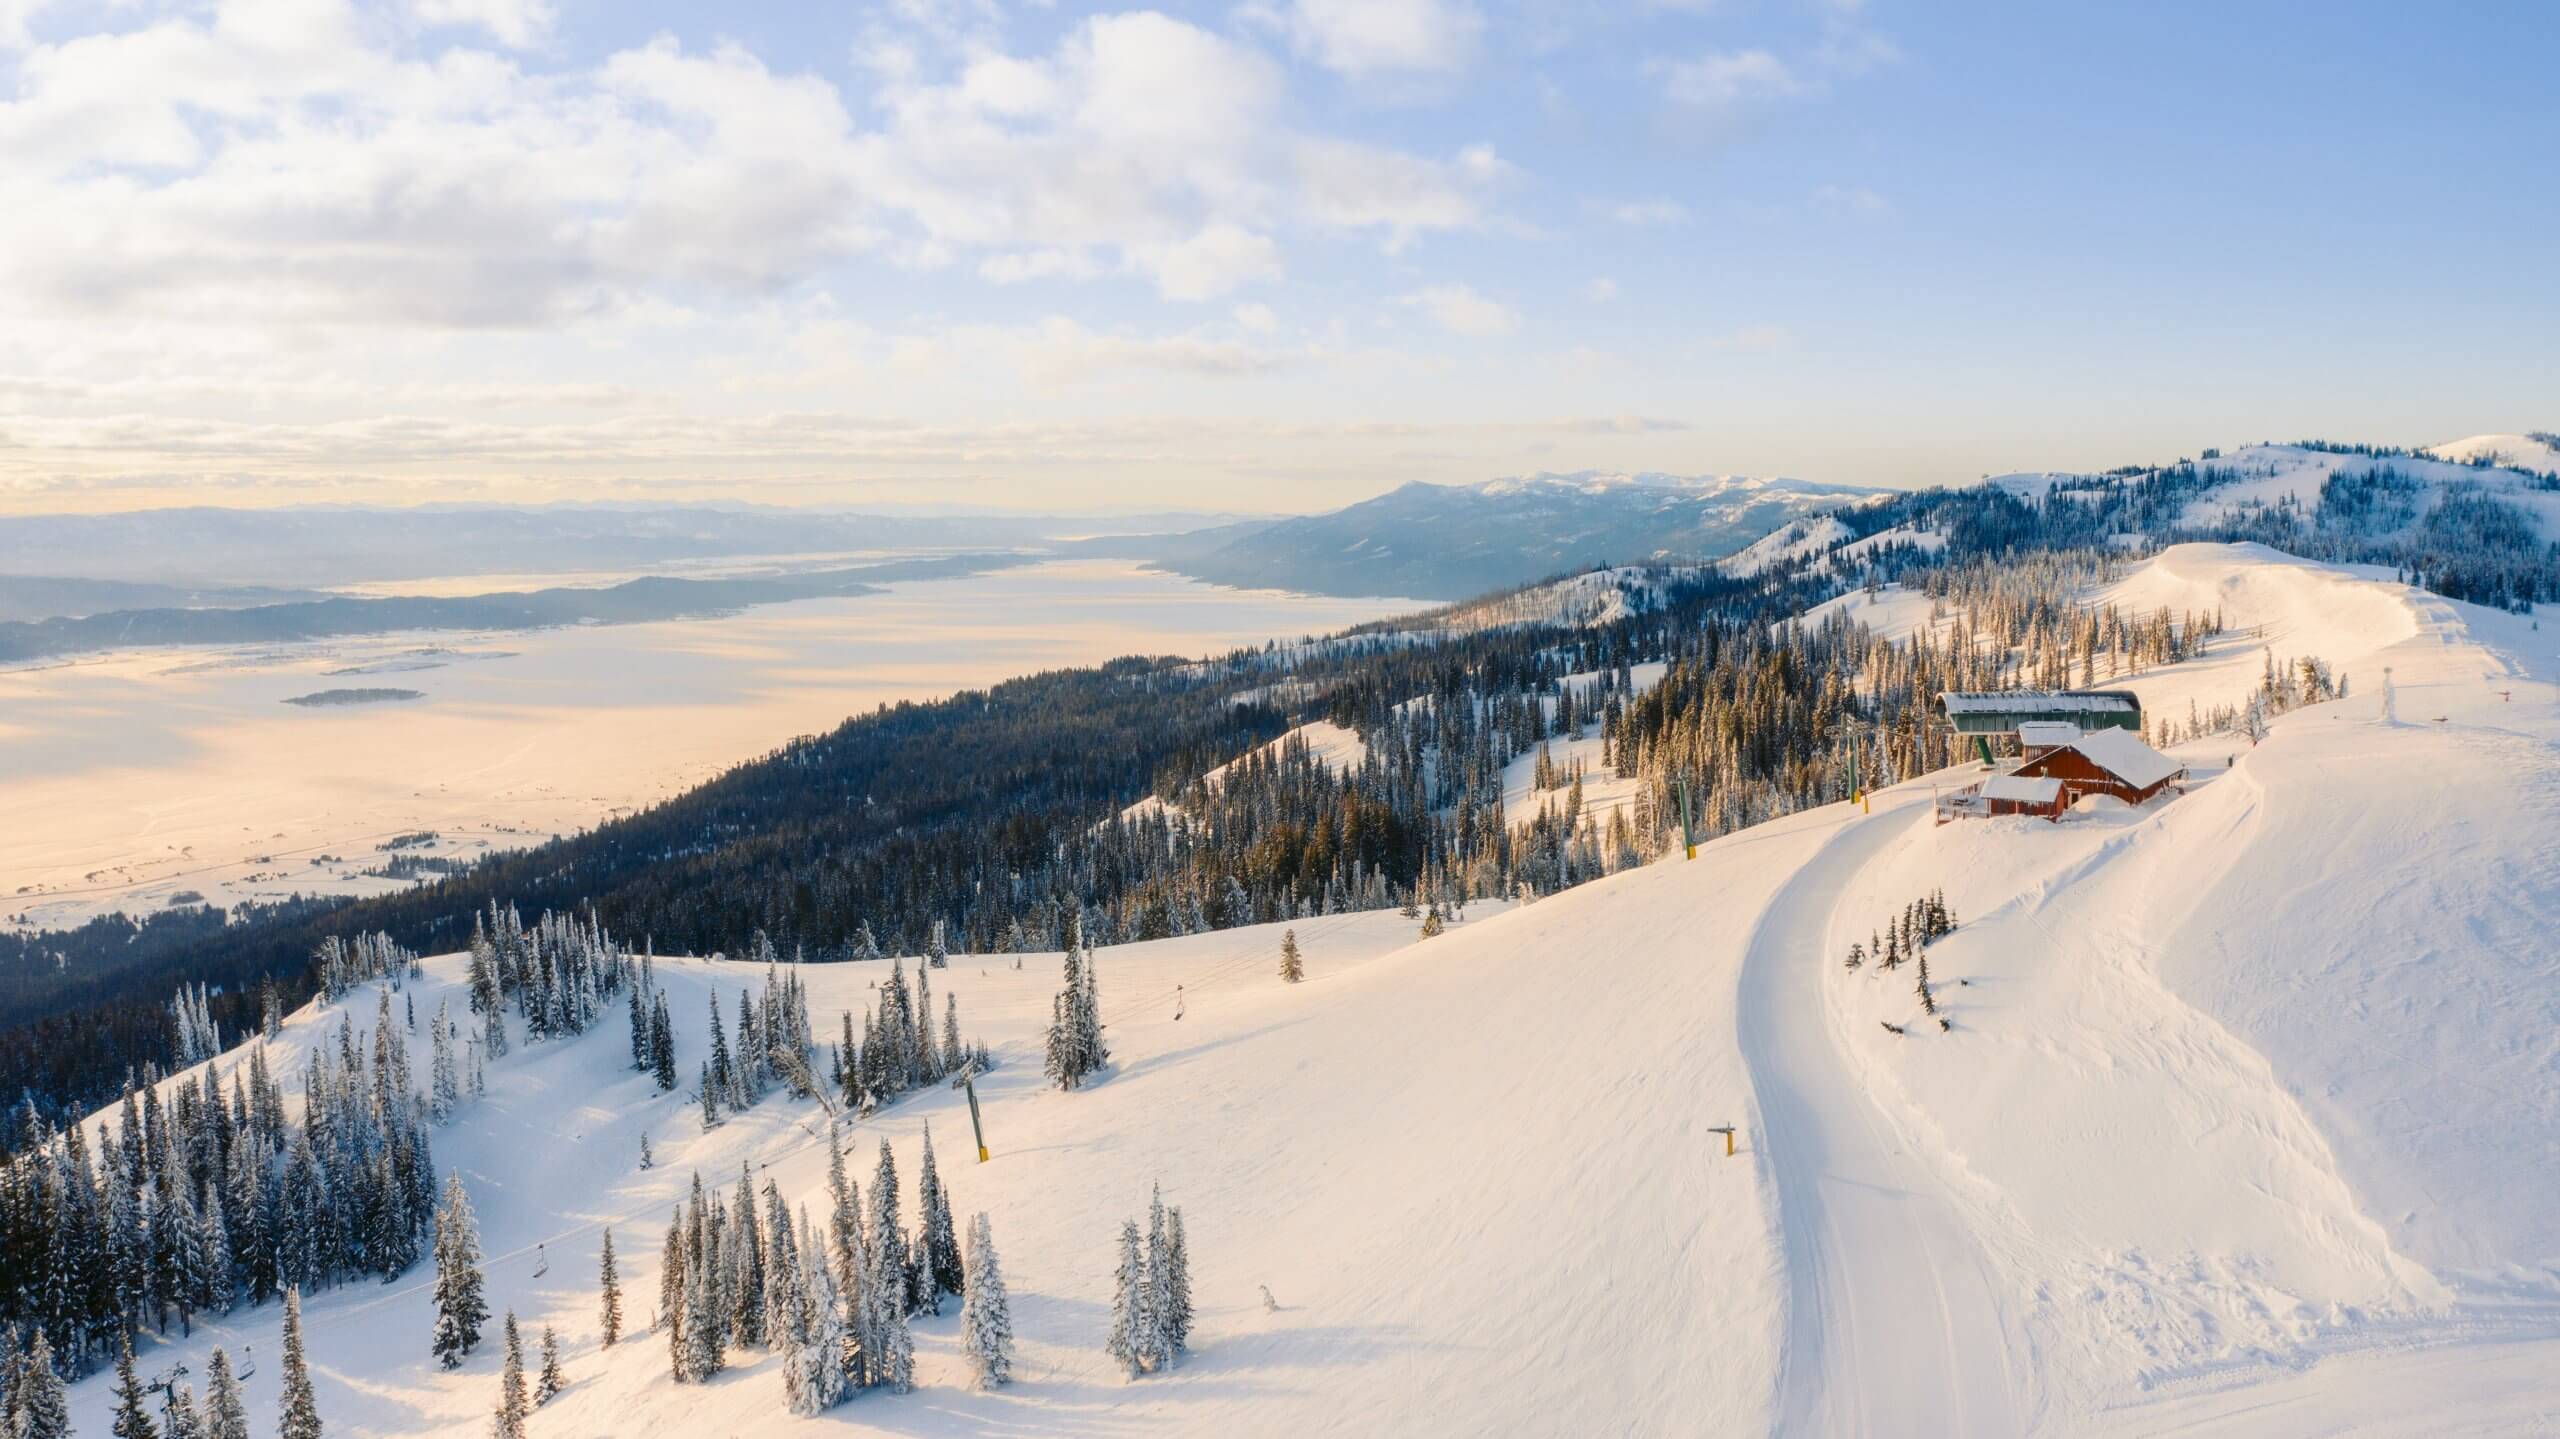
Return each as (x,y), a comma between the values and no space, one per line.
(1447,542)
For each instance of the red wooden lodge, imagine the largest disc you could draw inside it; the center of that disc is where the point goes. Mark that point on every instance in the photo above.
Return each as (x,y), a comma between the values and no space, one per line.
(2107,761)
(2061,767)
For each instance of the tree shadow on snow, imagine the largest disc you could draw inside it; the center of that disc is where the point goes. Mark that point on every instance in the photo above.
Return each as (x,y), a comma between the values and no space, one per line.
(1233,1370)
(1177,1056)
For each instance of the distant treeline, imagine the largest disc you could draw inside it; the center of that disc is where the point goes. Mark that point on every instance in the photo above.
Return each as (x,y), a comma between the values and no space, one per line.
(652,597)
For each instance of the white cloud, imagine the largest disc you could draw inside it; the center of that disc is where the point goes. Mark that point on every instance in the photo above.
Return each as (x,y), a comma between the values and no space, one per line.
(1359,186)
(276,164)
(1726,79)
(1369,37)
(280,230)
(14,16)
(1600,290)
(1212,262)
(1461,311)
(518,24)
(1650,212)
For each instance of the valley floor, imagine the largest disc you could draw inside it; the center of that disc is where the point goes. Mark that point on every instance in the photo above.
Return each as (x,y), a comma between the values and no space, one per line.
(2246,1121)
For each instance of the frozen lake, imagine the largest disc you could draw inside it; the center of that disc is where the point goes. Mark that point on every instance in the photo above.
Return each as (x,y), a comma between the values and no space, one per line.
(131,779)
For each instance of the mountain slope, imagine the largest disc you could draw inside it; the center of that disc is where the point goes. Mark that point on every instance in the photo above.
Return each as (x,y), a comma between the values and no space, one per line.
(1455,541)
(2537,451)
(2237,1086)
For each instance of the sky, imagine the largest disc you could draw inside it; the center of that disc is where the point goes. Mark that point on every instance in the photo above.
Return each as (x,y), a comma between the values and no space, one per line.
(1270,255)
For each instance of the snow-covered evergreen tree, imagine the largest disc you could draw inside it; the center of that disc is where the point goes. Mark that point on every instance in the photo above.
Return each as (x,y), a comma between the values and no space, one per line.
(938,1246)
(746,1266)
(445,1096)
(1292,968)
(986,1314)
(808,1322)
(226,1412)
(552,1380)
(133,1413)
(662,1044)
(1155,1331)
(460,1309)
(512,1404)
(301,1409)
(38,1406)
(1075,1049)
(609,1301)
(704,1353)
(827,1329)
(1178,1288)
(1127,1345)
(186,1421)
(892,1267)
(673,1266)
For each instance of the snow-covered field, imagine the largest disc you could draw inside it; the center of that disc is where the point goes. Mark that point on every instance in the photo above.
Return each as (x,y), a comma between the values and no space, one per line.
(2247,1122)
(130,778)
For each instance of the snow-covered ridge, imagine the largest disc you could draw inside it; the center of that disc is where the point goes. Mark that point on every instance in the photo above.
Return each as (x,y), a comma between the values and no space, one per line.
(1327,744)
(1592,598)
(2510,467)
(2538,451)
(1827,537)
(1594,482)
(2245,1123)
(2271,473)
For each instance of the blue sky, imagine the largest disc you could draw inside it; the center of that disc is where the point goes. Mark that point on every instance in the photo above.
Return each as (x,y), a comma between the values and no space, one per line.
(1276,254)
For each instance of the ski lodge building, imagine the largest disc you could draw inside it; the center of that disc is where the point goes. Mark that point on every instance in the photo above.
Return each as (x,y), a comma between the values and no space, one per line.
(2071,743)
(2107,762)
(1995,712)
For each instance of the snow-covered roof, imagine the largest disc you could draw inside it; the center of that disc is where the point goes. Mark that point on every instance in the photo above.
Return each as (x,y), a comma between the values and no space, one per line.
(2047,734)
(2021,789)
(2056,702)
(2121,754)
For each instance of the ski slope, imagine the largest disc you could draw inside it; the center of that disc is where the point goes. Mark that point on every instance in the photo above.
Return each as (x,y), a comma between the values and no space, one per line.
(2246,1122)
(1895,1323)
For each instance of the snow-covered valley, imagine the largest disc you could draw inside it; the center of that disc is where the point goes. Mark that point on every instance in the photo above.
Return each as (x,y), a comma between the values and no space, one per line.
(2242,1121)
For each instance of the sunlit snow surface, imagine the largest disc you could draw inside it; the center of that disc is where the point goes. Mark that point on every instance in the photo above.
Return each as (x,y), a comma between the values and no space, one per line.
(2246,1123)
